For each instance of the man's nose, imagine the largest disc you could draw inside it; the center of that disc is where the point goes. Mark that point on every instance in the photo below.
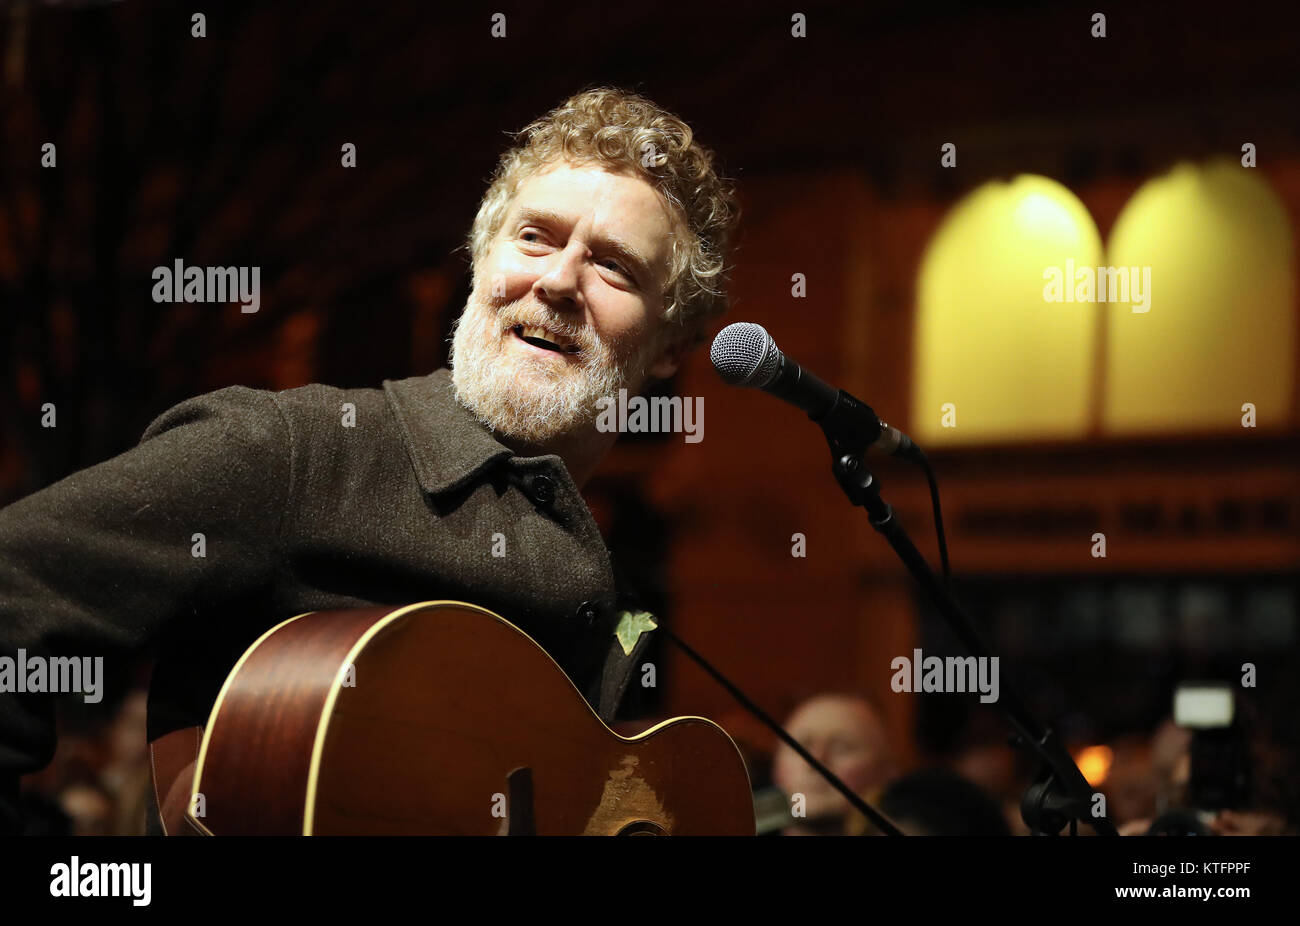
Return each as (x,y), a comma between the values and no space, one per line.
(560,282)
(821,750)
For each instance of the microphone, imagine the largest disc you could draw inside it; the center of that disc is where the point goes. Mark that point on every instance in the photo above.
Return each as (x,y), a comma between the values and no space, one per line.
(744,354)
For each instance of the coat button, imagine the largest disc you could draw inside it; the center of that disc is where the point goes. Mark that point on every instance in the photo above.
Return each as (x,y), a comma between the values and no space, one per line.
(588,614)
(543,490)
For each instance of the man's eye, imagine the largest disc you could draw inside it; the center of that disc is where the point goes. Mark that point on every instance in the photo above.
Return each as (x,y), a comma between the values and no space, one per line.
(843,747)
(531,234)
(619,269)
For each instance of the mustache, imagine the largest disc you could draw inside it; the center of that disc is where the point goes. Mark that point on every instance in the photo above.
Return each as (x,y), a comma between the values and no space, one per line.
(540,318)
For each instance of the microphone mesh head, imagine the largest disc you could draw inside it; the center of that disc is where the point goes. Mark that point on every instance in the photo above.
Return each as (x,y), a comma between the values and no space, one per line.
(744,354)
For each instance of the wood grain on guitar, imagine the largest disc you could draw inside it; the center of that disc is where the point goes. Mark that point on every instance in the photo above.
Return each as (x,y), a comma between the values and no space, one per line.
(438,718)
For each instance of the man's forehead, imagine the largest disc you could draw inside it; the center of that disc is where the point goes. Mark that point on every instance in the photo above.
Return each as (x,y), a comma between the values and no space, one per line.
(833,714)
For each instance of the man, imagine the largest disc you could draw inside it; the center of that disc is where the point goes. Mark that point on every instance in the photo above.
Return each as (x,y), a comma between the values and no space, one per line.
(598,261)
(845,734)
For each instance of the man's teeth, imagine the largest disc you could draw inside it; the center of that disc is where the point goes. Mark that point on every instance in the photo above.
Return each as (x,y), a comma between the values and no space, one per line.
(547,337)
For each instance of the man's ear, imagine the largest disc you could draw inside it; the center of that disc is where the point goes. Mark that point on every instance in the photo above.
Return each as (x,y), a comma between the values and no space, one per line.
(675,344)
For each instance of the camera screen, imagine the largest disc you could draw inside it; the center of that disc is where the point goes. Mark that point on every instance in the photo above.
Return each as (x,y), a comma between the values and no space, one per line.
(1203,706)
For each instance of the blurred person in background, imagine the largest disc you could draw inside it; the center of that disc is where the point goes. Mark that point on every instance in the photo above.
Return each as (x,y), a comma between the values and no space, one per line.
(1273,800)
(844,733)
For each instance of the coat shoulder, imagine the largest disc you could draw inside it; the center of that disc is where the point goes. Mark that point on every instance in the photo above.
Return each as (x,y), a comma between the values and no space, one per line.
(321,402)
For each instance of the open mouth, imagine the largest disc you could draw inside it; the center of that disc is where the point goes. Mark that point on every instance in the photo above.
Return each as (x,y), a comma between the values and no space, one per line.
(546,340)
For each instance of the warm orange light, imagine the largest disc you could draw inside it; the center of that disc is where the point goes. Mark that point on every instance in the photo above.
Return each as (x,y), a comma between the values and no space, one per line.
(1095,763)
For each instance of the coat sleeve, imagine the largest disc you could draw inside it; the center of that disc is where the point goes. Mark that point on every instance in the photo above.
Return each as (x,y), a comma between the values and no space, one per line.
(100,562)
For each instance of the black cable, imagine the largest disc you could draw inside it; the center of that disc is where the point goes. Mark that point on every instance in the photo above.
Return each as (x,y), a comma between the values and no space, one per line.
(882,823)
(924,462)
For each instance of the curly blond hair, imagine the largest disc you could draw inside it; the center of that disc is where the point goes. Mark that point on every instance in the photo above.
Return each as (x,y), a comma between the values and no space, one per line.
(624,132)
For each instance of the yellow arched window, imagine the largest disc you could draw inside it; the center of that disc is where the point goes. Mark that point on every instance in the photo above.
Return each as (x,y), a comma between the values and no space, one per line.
(997,355)
(1219,330)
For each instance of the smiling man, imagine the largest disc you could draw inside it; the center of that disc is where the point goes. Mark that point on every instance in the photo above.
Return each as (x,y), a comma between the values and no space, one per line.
(598,255)
(574,283)
(598,260)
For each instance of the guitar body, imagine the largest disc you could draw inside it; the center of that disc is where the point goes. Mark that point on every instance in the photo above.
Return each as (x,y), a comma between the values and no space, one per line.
(438,718)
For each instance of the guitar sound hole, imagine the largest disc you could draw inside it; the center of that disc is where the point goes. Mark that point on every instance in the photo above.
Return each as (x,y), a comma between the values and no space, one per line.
(642,828)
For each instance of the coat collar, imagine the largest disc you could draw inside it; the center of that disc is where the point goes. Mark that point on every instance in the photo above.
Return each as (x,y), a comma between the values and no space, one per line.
(447,445)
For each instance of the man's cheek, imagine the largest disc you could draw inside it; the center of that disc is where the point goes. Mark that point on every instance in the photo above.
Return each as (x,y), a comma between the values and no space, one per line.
(507,282)
(857,776)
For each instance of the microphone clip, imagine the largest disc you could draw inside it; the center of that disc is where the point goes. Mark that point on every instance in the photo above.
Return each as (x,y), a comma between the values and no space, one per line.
(850,426)
(861,487)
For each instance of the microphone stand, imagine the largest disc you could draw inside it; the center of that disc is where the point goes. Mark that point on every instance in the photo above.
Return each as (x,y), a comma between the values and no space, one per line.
(1059,794)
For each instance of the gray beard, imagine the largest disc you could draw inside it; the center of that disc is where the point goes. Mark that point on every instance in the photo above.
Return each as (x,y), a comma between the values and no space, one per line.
(529,401)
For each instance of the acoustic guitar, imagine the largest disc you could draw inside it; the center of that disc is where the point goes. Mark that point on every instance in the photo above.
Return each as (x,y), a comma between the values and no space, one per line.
(438,718)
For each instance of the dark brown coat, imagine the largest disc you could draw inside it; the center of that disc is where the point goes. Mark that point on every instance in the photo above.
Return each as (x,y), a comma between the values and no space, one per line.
(298,512)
